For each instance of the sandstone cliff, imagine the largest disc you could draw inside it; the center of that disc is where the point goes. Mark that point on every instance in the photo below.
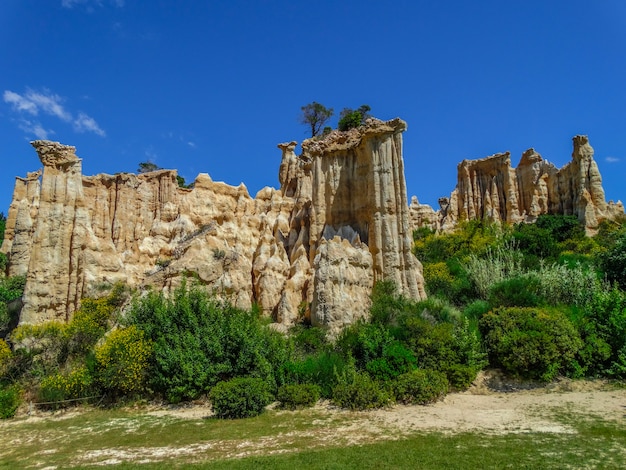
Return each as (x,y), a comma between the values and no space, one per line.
(315,247)
(491,189)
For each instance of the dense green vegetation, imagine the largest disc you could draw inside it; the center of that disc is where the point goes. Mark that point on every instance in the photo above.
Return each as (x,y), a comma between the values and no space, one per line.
(538,301)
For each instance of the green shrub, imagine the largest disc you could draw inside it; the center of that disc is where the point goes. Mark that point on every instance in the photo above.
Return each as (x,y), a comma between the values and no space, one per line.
(9,402)
(530,342)
(438,310)
(322,369)
(123,361)
(613,262)
(606,313)
(308,339)
(461,376)
(519,291)
(396,360)
(364,342)
(420,387)
(358,391)
(199,341)
(298,395)
(475,310)
(350,119)
(387,304)
(242,397)
(496,265)
(11,288)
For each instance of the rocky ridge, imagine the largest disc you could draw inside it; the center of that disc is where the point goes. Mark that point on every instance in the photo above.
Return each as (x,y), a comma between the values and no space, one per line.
(491,189)
(314,247)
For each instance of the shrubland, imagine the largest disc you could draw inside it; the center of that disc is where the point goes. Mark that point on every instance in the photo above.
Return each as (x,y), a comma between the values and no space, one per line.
(537,301)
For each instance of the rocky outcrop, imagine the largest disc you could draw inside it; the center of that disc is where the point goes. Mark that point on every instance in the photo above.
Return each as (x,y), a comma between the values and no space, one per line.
(313,248)
(491,189)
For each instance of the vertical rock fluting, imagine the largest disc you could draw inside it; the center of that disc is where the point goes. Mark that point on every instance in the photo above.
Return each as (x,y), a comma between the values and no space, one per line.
(18,234)
(490,189)
(55,266)
(313,248)
(358,184)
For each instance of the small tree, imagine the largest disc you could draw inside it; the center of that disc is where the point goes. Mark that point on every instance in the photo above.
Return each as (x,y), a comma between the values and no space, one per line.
(147,167)
(350,118)
(315,115)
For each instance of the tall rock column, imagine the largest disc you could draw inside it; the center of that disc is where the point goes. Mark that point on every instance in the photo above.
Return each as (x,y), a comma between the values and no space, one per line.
(359,195)
(18,235)
(54,279)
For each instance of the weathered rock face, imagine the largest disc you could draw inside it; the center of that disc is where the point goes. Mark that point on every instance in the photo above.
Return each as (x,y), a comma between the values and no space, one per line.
(491,189)
(339,223)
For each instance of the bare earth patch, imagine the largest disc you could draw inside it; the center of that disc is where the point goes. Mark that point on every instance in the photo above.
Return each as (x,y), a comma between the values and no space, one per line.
(491,406)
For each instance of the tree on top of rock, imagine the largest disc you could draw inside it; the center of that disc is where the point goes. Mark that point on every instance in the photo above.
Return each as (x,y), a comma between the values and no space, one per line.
(315,115)
(351,118)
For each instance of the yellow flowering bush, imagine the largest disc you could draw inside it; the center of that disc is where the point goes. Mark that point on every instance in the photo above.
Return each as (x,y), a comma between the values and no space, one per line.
(78,383)
(88,324)
(5,356)
(123,360)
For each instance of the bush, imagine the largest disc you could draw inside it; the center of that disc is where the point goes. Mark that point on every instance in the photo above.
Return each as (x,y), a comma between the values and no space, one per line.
(199,341)
(475,310)
(498,264)
(606,311)
(308,339)
(396,360)
(88,325)
(519,291)
(11,288)
(298,396)
(9,402)
(358,391)
(242,397)
(5,357)
(530,342)
(123,361)
(420,387)
(350,119)
(613,262)
(78,383)
(364,342)
(322,369)
(387,304)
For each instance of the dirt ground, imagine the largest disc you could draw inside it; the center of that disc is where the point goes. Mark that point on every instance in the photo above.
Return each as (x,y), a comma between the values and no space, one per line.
(492,405)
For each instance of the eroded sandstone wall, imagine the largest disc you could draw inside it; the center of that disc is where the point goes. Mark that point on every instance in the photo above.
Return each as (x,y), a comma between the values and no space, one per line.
(492,189)
(314,247)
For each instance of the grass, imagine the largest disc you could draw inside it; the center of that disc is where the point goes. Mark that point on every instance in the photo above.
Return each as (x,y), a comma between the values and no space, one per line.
(311,438)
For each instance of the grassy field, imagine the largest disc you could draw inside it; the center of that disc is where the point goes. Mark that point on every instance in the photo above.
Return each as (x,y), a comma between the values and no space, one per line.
(318,438)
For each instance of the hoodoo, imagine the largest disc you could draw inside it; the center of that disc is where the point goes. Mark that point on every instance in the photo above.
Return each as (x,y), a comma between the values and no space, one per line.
(315,247)
(491,189)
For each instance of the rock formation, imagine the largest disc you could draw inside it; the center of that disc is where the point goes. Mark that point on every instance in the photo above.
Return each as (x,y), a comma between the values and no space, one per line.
(491,189)
(315,247)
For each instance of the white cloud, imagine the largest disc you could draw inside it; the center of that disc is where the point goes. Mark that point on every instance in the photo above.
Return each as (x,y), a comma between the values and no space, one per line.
(192,144)
(84,123)
(35,128)
(33,102)
(36,103)
(611,159)
(19,103)
(89,3)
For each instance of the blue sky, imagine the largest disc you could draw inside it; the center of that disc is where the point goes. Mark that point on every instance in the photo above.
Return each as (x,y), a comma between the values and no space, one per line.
(213,86)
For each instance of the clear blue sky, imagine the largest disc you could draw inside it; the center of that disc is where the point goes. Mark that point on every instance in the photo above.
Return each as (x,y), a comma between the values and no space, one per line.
(213,86)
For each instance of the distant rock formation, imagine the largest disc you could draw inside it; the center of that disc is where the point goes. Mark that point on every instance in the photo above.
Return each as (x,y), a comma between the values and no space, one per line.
(491,189)
(315,247)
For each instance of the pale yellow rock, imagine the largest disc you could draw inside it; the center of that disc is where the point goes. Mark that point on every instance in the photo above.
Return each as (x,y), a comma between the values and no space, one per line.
(491,189)
(74,235)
